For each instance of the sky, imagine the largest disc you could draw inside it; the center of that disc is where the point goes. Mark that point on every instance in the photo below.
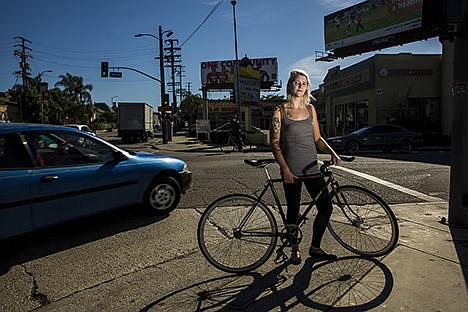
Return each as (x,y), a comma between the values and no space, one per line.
(75,36)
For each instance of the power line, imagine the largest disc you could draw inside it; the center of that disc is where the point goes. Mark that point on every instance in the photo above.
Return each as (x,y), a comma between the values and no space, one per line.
(203,22)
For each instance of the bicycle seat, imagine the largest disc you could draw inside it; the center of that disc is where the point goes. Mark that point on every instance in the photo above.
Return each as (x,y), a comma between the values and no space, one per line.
(259,162)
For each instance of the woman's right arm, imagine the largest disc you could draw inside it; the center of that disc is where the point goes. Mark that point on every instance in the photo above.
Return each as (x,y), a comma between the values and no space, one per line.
(275,136)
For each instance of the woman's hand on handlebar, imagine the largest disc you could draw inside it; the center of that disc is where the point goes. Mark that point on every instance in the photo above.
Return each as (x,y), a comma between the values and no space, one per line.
(336,160)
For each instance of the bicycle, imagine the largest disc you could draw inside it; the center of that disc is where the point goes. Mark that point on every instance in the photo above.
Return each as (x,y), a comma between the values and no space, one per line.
(238,233)
(231,144)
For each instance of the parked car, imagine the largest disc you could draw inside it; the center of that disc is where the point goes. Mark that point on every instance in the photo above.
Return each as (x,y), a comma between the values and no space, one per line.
(51,174)
(385,137)
(84,128)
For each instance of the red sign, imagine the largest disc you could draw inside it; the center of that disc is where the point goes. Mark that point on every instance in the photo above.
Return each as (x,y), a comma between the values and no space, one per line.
(164,108)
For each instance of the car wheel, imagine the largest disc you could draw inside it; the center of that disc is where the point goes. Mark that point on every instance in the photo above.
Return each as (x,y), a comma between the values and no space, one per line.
(352,147)
(405,146)
(162,196)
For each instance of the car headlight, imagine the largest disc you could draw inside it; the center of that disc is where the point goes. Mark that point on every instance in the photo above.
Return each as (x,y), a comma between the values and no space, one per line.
(185,168)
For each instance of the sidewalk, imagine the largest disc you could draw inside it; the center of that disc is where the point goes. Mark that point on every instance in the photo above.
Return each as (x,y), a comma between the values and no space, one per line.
(428,270)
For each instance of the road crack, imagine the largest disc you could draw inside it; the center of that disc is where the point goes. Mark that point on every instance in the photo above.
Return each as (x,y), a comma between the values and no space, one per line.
(36,295)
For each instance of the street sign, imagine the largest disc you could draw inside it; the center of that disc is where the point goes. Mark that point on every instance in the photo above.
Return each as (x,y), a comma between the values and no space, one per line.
(115,74)
(164,108)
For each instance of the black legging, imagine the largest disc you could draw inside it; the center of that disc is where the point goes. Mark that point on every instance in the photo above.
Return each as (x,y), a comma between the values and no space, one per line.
(293,199)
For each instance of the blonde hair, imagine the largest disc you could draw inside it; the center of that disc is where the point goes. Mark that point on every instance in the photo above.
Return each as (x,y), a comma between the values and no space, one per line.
(292,77)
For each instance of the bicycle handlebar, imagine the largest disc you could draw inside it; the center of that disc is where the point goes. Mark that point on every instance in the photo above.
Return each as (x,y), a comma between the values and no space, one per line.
(327,163)
(323,168)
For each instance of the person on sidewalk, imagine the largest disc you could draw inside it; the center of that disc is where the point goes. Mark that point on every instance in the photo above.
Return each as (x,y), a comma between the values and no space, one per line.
(294,139)
(236,132)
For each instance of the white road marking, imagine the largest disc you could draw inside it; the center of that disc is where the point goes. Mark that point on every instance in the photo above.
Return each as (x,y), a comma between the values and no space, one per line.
(393,185)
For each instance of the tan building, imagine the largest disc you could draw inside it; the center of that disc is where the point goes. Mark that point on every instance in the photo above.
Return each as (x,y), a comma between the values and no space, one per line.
(402,88)
(8,108)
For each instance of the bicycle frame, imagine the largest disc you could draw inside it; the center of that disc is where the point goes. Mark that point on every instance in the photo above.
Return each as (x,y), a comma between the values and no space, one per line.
(330,181)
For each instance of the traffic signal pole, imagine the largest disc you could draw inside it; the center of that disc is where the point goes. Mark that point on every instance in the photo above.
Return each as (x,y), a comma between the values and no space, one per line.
(458,204)
(163,85)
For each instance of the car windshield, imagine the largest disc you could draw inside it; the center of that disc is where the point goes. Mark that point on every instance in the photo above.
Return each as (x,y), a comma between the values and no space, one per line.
(360,131)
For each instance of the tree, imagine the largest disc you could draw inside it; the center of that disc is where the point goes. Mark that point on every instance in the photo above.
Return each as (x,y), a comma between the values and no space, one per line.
(190,106)
(78,105)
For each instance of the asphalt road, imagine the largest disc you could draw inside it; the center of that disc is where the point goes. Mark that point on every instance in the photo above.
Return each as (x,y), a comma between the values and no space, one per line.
(129,261)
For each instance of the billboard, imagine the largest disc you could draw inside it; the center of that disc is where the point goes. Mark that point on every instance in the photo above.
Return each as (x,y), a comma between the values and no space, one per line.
(373,25)
(220,74)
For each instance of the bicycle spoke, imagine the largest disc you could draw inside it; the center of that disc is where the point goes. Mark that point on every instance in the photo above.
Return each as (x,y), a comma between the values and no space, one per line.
(229,247)
(362,222)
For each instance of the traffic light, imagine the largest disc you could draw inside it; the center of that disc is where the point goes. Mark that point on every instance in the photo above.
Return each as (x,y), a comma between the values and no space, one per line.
(104,69)
(166,100)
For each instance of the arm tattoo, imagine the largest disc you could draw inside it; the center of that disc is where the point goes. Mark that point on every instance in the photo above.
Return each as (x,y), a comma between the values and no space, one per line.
(275,124)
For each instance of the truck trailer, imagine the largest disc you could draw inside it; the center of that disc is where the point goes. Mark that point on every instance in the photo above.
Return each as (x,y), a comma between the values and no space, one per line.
(135,122)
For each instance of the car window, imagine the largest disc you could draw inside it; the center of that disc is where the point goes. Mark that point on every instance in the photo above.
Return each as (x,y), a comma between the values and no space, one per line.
(62,148)
(90,147)
(12,153)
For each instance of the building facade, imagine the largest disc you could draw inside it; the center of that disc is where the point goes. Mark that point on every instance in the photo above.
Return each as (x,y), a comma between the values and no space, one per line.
(399,88)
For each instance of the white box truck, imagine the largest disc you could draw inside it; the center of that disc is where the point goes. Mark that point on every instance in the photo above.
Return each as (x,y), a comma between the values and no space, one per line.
(135,122)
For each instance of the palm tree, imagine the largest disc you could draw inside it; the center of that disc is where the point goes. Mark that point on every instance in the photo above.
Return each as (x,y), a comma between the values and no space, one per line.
(78,95)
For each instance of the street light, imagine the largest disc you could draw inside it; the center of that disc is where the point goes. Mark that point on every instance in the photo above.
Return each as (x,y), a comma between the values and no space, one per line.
(161,67)
(43,72)
(236,69)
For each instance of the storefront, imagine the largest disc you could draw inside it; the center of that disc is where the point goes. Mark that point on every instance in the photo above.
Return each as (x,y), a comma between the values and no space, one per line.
(402,88)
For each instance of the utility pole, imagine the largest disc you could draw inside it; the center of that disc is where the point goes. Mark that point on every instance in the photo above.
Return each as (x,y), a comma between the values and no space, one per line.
(161,65)
(236,70)
(162,79)
(172,60)
(25,67)
(180,73)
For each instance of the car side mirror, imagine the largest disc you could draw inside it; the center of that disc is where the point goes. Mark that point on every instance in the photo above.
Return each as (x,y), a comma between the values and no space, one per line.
(119,156)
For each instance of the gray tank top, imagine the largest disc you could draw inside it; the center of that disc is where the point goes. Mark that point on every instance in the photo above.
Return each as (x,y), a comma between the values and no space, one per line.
(298,145)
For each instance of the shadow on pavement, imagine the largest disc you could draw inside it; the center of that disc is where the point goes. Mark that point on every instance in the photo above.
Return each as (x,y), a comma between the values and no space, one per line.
(40,243)
(348,284)
(440,157)
(460,240)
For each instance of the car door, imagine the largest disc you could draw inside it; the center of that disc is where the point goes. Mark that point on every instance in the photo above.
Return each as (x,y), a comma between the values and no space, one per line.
(392,135)
(374,137)
(77,175)
(15,204)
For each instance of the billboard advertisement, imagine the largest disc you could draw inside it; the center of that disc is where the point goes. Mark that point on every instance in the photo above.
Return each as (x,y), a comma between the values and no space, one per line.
(373,25)
(220,74)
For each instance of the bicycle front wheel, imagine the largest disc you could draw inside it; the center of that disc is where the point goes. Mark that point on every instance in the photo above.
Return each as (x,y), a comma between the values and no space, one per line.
(362,222)
(237,233)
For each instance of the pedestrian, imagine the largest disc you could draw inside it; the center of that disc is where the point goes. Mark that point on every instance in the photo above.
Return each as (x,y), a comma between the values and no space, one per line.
(294,138)
(236,131)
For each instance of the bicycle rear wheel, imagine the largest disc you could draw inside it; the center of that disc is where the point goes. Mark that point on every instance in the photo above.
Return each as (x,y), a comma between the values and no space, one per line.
(237,233)
(362,222)
(247,146)
(228,145)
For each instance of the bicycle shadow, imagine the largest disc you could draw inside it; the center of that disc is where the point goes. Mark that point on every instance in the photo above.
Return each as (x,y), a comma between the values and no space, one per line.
(349,283)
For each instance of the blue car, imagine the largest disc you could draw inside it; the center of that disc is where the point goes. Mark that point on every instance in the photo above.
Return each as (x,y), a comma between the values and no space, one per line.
(51,174)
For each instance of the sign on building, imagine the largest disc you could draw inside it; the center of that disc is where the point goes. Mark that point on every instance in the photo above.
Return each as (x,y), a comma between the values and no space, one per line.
(373,25)
(220,74)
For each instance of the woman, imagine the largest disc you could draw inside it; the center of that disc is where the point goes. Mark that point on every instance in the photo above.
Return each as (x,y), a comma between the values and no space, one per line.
(295,137)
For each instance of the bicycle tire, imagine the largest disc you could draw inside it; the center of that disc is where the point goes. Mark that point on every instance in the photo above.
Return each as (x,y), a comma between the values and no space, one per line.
(247,145)
(225,248)
(228,145)
(362,222)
